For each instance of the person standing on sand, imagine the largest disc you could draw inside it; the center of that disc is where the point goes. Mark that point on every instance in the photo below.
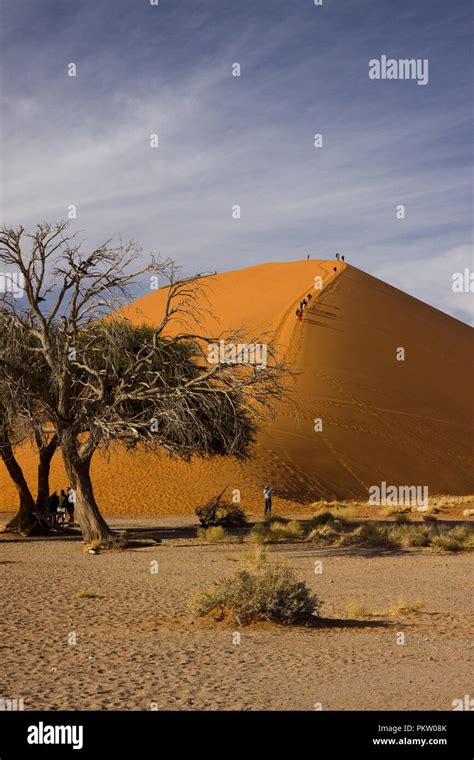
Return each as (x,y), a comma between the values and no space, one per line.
(267,492)
(337,256)
(70,506)
(342,257)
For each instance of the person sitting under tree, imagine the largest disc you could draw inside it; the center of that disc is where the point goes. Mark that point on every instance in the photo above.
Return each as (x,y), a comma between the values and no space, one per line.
(52,507)
(62,507)
(70,505)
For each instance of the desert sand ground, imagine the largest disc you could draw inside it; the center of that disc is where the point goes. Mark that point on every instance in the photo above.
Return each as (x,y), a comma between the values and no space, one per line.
(138,648)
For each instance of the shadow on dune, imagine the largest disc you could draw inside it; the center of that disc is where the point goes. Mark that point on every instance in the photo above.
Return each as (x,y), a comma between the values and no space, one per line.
(321,324)
(320,313)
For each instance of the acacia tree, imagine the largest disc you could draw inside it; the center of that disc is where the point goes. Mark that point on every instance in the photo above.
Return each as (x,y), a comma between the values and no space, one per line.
(101,381)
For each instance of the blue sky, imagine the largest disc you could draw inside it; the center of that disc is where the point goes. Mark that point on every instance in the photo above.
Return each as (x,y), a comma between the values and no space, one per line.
(224,140)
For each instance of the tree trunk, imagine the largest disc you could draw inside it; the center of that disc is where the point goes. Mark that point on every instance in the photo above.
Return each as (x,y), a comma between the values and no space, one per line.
(93,526)
(24,518)
(46,454)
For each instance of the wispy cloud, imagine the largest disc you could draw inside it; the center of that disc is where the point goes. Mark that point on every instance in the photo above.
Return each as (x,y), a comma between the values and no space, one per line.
(247,140)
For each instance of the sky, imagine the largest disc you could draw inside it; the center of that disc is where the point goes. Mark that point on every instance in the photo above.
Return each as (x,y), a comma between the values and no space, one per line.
(224,140)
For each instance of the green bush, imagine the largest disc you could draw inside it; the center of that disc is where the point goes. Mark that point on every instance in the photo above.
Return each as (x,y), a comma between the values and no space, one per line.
(271,592)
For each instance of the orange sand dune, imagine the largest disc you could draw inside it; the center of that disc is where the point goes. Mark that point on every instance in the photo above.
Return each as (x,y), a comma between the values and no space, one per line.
(403,422)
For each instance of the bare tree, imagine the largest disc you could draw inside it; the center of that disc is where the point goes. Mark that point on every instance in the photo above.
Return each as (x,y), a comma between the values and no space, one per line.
(24,517)
(16,429)
(100,381)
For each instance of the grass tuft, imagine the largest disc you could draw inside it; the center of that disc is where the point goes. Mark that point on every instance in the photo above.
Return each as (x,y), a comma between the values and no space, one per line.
(212,535)
(402,607)
(86,593)
(358,610)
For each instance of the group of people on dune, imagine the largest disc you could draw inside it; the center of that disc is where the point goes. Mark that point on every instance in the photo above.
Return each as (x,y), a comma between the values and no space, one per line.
(303,304)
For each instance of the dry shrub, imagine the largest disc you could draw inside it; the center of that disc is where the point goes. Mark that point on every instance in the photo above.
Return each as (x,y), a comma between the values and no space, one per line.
(258,534)
(358,610)
(217,513)
(458,539)
(410,534)
(402,607)
(291,529)
(324,533)
(375,535)
(212,535)
(271,592)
